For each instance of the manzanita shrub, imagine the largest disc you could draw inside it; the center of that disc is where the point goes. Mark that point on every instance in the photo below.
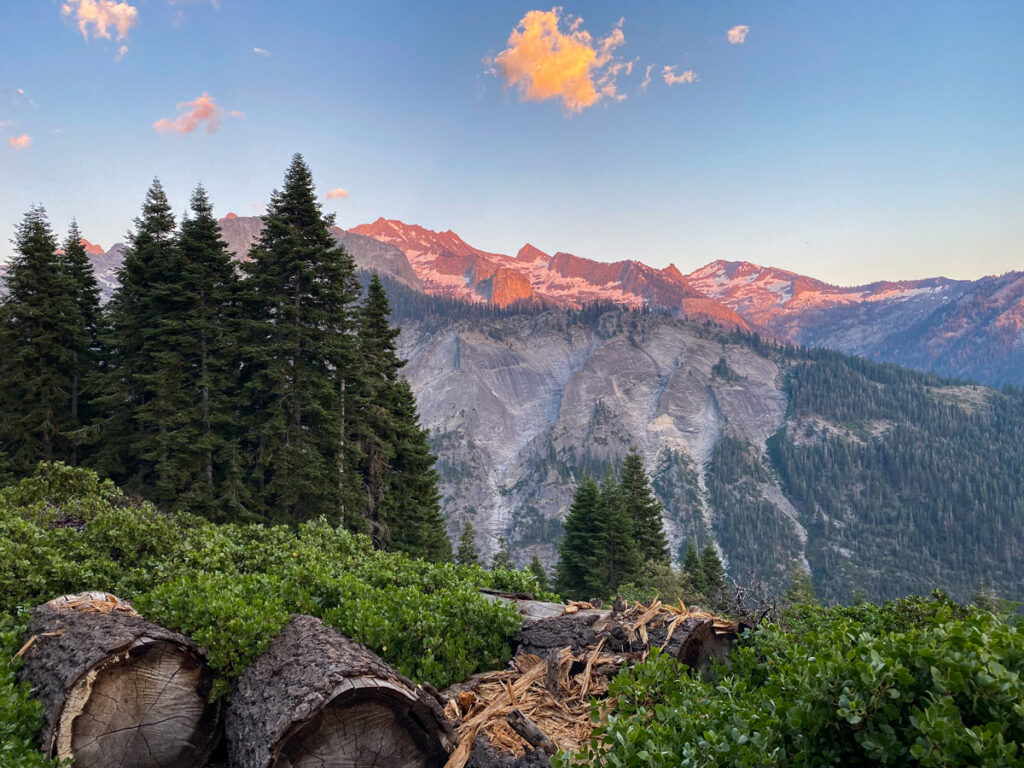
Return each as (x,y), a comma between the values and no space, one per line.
(914,682)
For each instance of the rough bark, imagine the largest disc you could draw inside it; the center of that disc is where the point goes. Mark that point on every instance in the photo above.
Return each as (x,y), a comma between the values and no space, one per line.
(694,641)
(317,698)
(119,690)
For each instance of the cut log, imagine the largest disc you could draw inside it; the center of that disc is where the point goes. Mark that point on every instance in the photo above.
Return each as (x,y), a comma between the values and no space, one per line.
(118,690)
(317,698)
(700,645)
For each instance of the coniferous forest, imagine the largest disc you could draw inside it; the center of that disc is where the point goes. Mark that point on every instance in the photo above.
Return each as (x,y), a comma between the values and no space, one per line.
(270,395)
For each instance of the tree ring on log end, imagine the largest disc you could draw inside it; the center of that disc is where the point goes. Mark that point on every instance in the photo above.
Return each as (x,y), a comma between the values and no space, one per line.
(367,723)
(146,706)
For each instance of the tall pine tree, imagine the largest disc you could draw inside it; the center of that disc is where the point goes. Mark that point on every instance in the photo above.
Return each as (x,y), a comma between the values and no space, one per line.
(39,325)
(644,510)
(578,573)
(616,549)
(467,552)
(300,355)
(396,465)
(194,450)
(84,344)
(693,569)
(132,345)
(715,588)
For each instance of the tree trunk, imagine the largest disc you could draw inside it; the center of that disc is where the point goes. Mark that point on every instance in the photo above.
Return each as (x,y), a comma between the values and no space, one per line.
(118,690)
(318,699)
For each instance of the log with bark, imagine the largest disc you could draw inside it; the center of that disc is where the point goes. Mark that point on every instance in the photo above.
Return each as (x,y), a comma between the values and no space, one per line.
(318,698)
(117,690)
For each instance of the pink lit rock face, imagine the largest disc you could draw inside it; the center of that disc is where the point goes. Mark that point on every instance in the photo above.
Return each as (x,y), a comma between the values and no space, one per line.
(971,329)
(449,266)
(91,248)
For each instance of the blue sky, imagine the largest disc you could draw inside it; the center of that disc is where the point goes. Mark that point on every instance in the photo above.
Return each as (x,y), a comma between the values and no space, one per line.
(848,141)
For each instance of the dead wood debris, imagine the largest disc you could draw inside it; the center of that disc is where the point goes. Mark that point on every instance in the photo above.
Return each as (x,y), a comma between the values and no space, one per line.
(553,693)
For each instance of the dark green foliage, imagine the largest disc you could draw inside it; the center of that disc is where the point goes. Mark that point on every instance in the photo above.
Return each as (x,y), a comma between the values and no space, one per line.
(716,590)
(467,553)
(402,503)
(537,569)
(644,510)
(298,353)
(194,447)
(84,337)
(913,683)
(910,484)
(40,333)
(614,539)
(232,586)
(133,408)
(578,573)
(693,568)
(502,558)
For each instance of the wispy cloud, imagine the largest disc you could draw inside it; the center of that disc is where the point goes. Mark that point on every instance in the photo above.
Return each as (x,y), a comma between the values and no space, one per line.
(20,142)
(101,15)
(647,77)
(261,51)
(543,62)
(671,78)
(121,52)
(202,111)
(738,34)
(336,193)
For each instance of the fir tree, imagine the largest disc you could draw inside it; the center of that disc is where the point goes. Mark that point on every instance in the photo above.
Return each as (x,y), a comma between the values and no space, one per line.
(693,569)
(39,327)
(467,553)
(502,558)
(578,573)
(644,510)
(131,346)
(194,450)
(396,465)
(413,502)
(84,344)
(537,568)
(715,588)
(801,588)
(300,356)
(618,558)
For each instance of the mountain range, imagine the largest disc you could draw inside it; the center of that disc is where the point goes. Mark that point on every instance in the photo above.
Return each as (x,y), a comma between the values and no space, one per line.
(532,369)
(970,329)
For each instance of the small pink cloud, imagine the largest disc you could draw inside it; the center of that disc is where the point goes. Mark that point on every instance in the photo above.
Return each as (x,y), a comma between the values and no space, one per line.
(102,14)
(738,34)
(20,142)
(336,193)
(671,78)
(204,110)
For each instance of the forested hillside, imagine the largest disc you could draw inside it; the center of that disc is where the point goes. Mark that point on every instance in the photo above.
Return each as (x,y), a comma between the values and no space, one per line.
(881,480)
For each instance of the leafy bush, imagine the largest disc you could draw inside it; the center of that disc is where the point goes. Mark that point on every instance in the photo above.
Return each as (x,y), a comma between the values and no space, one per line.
(21,716)
(232,587)
(941,687)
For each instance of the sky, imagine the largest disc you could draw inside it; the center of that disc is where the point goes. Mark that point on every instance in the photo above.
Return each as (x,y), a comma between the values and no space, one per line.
(850,141)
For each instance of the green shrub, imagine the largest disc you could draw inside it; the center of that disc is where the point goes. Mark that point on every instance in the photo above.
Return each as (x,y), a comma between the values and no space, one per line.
(940,688)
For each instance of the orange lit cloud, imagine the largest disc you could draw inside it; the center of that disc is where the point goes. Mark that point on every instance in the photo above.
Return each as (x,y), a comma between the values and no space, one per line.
(738,34)
(543,62)
(671,78)
(337,192)
(203,110)
(102,15)
(20,142)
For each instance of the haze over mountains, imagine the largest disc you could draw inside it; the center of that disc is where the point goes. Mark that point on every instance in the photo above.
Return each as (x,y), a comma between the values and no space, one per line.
(973,329)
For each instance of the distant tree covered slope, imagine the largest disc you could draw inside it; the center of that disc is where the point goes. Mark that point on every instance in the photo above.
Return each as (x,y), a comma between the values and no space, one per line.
(881,480)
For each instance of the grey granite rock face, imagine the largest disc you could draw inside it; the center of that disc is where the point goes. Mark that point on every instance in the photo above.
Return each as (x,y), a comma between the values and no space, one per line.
(518,408)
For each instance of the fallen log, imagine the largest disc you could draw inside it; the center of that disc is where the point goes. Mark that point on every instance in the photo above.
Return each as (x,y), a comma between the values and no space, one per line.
(117,690)
(317,698)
